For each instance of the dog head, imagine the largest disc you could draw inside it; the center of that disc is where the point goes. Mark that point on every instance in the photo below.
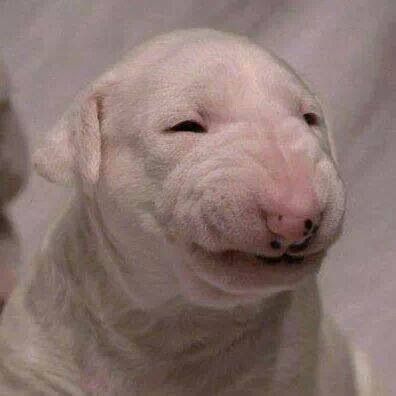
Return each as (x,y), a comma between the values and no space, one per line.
(217,146)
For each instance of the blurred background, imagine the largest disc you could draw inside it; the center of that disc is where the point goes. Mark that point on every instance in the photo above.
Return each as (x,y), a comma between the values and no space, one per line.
(346,51)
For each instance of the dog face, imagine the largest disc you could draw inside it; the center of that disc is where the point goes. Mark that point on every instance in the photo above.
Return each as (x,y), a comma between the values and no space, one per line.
(215,146)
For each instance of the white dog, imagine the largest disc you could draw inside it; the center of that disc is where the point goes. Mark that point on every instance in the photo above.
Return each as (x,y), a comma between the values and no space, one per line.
(206,193)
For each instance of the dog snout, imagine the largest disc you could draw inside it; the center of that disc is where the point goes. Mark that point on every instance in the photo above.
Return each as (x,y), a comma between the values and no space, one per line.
(269,199)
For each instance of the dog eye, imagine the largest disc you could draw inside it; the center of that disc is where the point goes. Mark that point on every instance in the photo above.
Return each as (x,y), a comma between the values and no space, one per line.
(311,118)
(188,126)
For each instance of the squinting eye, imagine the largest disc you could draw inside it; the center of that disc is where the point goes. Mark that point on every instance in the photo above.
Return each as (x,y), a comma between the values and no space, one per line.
(311,118)
(188,126)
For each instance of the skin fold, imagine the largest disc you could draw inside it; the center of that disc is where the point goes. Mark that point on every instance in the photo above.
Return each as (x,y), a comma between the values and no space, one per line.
(148,282)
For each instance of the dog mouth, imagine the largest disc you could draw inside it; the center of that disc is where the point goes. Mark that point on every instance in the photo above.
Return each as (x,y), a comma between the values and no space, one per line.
(283,259)
(229,257)
(287,258)
(242,272)
(295,256)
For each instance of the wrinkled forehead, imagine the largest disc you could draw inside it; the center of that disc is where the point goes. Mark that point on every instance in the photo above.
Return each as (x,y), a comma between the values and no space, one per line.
(223,78)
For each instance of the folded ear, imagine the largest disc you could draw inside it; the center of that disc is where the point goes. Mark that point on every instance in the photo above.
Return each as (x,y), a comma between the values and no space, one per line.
(72,148)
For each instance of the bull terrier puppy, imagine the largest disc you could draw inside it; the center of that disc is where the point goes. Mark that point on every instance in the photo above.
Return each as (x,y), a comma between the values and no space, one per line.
(206,193)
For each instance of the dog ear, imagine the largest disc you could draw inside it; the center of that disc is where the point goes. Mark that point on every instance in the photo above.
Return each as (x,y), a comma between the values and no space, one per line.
(73,147)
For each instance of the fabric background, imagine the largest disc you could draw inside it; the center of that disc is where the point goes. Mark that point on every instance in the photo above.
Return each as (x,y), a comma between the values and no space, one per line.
(344,49)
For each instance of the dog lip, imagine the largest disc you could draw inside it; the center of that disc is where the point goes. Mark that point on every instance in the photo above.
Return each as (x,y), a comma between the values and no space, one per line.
(289,259)
(285,258)
(298,247)
(238,271)
(271,260)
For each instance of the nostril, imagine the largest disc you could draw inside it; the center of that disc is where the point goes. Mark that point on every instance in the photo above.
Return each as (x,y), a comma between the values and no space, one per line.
(313,230)
(308,224)
(275,244)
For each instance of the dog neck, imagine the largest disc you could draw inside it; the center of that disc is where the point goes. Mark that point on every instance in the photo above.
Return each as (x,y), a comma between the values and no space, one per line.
(173,339)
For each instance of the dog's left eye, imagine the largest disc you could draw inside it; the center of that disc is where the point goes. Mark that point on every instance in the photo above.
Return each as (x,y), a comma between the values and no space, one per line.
(188,126)
(311,118)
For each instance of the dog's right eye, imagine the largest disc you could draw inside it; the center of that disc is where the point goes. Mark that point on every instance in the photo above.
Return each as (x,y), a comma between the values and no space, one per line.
(188,126)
